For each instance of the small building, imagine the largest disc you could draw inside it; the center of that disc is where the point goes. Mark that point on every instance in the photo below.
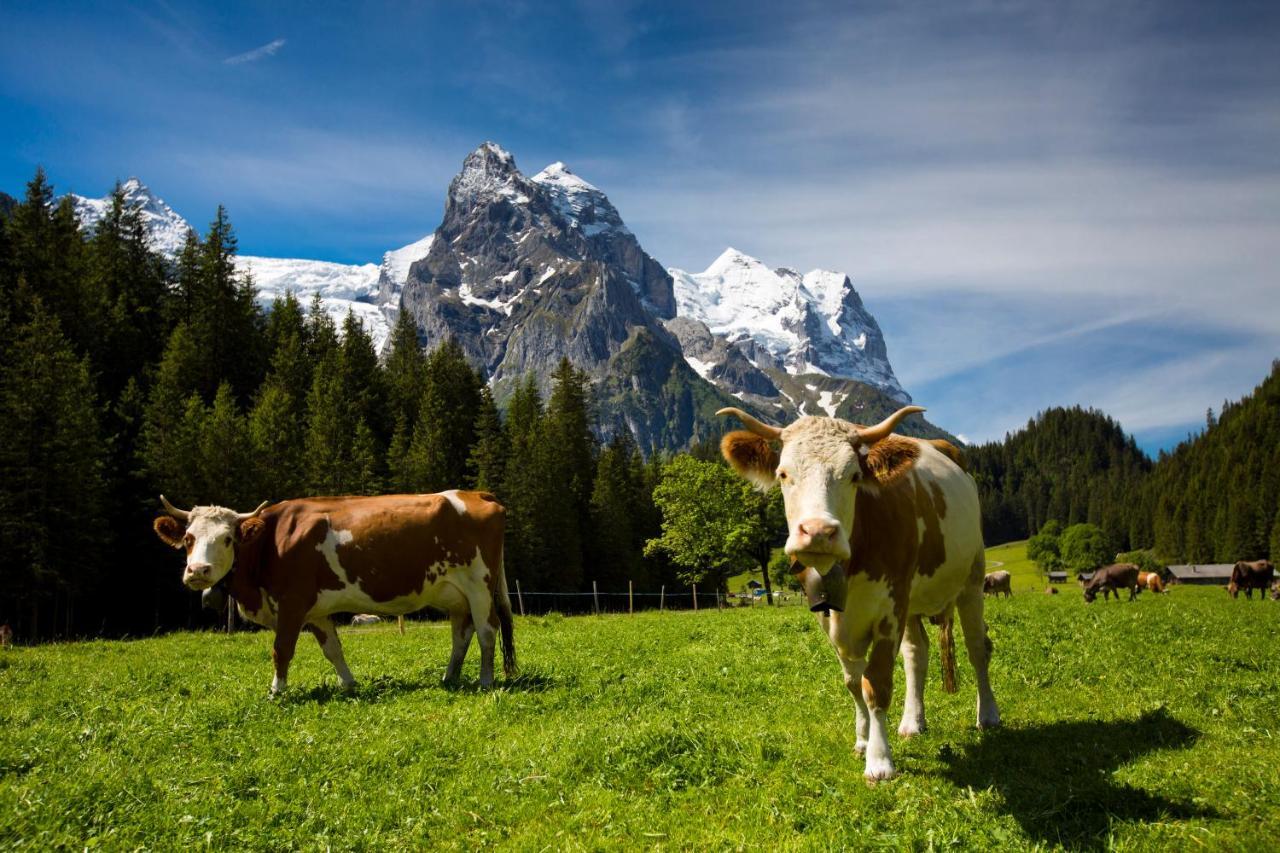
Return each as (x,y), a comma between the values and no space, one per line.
(1203,573)
(1057,577)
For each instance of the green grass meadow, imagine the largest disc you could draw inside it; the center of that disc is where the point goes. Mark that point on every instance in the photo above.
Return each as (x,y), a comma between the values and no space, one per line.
(1134,726)
(1025,574)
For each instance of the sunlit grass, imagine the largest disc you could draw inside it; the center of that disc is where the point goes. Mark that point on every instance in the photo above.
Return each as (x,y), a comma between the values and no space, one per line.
(1150,725)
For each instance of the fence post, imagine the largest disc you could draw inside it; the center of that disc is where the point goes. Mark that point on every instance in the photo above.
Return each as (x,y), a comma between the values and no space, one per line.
(662,599)
(695,598)
(231,615)
(631,603)
(519,596)
(595,594)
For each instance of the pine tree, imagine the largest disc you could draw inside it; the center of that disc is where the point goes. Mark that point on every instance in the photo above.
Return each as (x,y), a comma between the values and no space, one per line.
(167,450)
(445,428)
(276,436)
(226,457)
(527,544)
(51,464)
(488,460)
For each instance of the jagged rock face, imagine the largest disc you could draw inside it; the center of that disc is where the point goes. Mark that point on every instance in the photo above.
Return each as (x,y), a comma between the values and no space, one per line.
(524,272)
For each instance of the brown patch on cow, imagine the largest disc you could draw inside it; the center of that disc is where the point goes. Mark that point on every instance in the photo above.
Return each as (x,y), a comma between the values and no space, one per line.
(933,548)
(321,636)
(952,452)
(401,543)
(877,680)
(169,530)
(251,528)
(939,498)
(889,459)
(884,629)
(749,454)
(883,542)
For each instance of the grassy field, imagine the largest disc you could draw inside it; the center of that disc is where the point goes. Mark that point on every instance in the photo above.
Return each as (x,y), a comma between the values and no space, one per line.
(1150,725)
(1012,557)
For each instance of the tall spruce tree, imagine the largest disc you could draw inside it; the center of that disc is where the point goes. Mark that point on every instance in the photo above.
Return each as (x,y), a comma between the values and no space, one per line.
(52,458)
(487,463)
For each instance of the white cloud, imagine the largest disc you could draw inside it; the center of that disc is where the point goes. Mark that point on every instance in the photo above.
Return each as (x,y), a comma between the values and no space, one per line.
(268,49)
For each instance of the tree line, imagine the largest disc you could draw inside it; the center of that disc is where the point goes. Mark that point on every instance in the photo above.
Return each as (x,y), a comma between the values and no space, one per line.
(1213,498)
(124,375)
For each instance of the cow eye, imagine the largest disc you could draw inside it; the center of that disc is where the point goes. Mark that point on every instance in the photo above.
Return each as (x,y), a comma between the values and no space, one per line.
(782,475)
(188,540)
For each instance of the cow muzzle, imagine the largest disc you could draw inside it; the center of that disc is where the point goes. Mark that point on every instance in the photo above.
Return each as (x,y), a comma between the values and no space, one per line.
(817,542)
(198,576)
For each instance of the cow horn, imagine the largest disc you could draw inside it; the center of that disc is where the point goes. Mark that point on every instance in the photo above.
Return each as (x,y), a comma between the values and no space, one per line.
(870,435)
(244,516)
(772,433)
(180,514)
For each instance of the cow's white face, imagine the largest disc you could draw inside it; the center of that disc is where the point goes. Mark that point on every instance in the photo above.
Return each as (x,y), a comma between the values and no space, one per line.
(822,465)
(819,472)
(209,540)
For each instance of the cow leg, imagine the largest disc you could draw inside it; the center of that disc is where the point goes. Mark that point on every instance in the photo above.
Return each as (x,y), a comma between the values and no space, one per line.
(877,690)
(853,670)
(978,646)
(485,618)
(915,659)
(326,634)
(463,628)
(288,627)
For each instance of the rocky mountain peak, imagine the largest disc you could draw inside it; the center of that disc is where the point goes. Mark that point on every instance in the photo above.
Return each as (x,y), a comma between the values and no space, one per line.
(811,325)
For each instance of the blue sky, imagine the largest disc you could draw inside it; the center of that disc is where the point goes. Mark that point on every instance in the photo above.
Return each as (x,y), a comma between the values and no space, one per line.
(1043,203)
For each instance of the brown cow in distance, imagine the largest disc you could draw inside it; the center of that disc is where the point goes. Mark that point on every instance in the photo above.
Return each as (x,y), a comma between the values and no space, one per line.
(1113,578)
(997,582)
(1250,576)
(295,564)
(1150,581)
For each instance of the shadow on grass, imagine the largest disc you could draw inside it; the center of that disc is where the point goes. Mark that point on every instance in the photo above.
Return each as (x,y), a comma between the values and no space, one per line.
(385,687)
(1056,779)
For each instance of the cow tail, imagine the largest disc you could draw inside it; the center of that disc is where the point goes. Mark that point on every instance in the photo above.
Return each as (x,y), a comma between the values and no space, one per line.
(502,602)
(947,642)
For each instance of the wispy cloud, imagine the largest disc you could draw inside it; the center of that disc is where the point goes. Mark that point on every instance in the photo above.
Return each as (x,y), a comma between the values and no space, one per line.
(268,49)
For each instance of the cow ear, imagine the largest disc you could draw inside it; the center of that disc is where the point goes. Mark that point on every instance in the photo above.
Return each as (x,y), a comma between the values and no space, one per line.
(752,456)
(889,459)
(169,530)
(250,528)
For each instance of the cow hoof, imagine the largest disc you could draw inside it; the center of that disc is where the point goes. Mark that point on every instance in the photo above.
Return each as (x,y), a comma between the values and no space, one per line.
(991,722)
(878,771)
(909,730)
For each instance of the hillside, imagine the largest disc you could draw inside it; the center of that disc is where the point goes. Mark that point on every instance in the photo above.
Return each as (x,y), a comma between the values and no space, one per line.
(1215,498)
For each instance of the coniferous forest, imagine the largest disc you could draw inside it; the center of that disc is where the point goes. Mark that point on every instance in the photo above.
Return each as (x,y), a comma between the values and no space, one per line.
(124,375)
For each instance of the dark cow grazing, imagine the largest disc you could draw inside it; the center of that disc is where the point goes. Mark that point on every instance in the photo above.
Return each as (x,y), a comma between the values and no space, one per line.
(899,519)
(997,582)
(1250,576)
(1150,581)
(1113,578)
(295,564)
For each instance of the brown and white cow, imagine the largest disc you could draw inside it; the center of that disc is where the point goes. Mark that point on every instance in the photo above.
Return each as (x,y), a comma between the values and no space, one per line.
(902,517)
(1250,576)
(294,564)
(1150,581)
(997,582)
(1113,578)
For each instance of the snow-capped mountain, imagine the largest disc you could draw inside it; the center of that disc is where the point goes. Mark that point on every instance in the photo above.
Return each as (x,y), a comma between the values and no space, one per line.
(812,328)
(371,291)
(167,229)
(525,271)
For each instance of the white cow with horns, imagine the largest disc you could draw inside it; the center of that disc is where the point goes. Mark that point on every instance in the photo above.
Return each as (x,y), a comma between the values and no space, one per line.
(901,516)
